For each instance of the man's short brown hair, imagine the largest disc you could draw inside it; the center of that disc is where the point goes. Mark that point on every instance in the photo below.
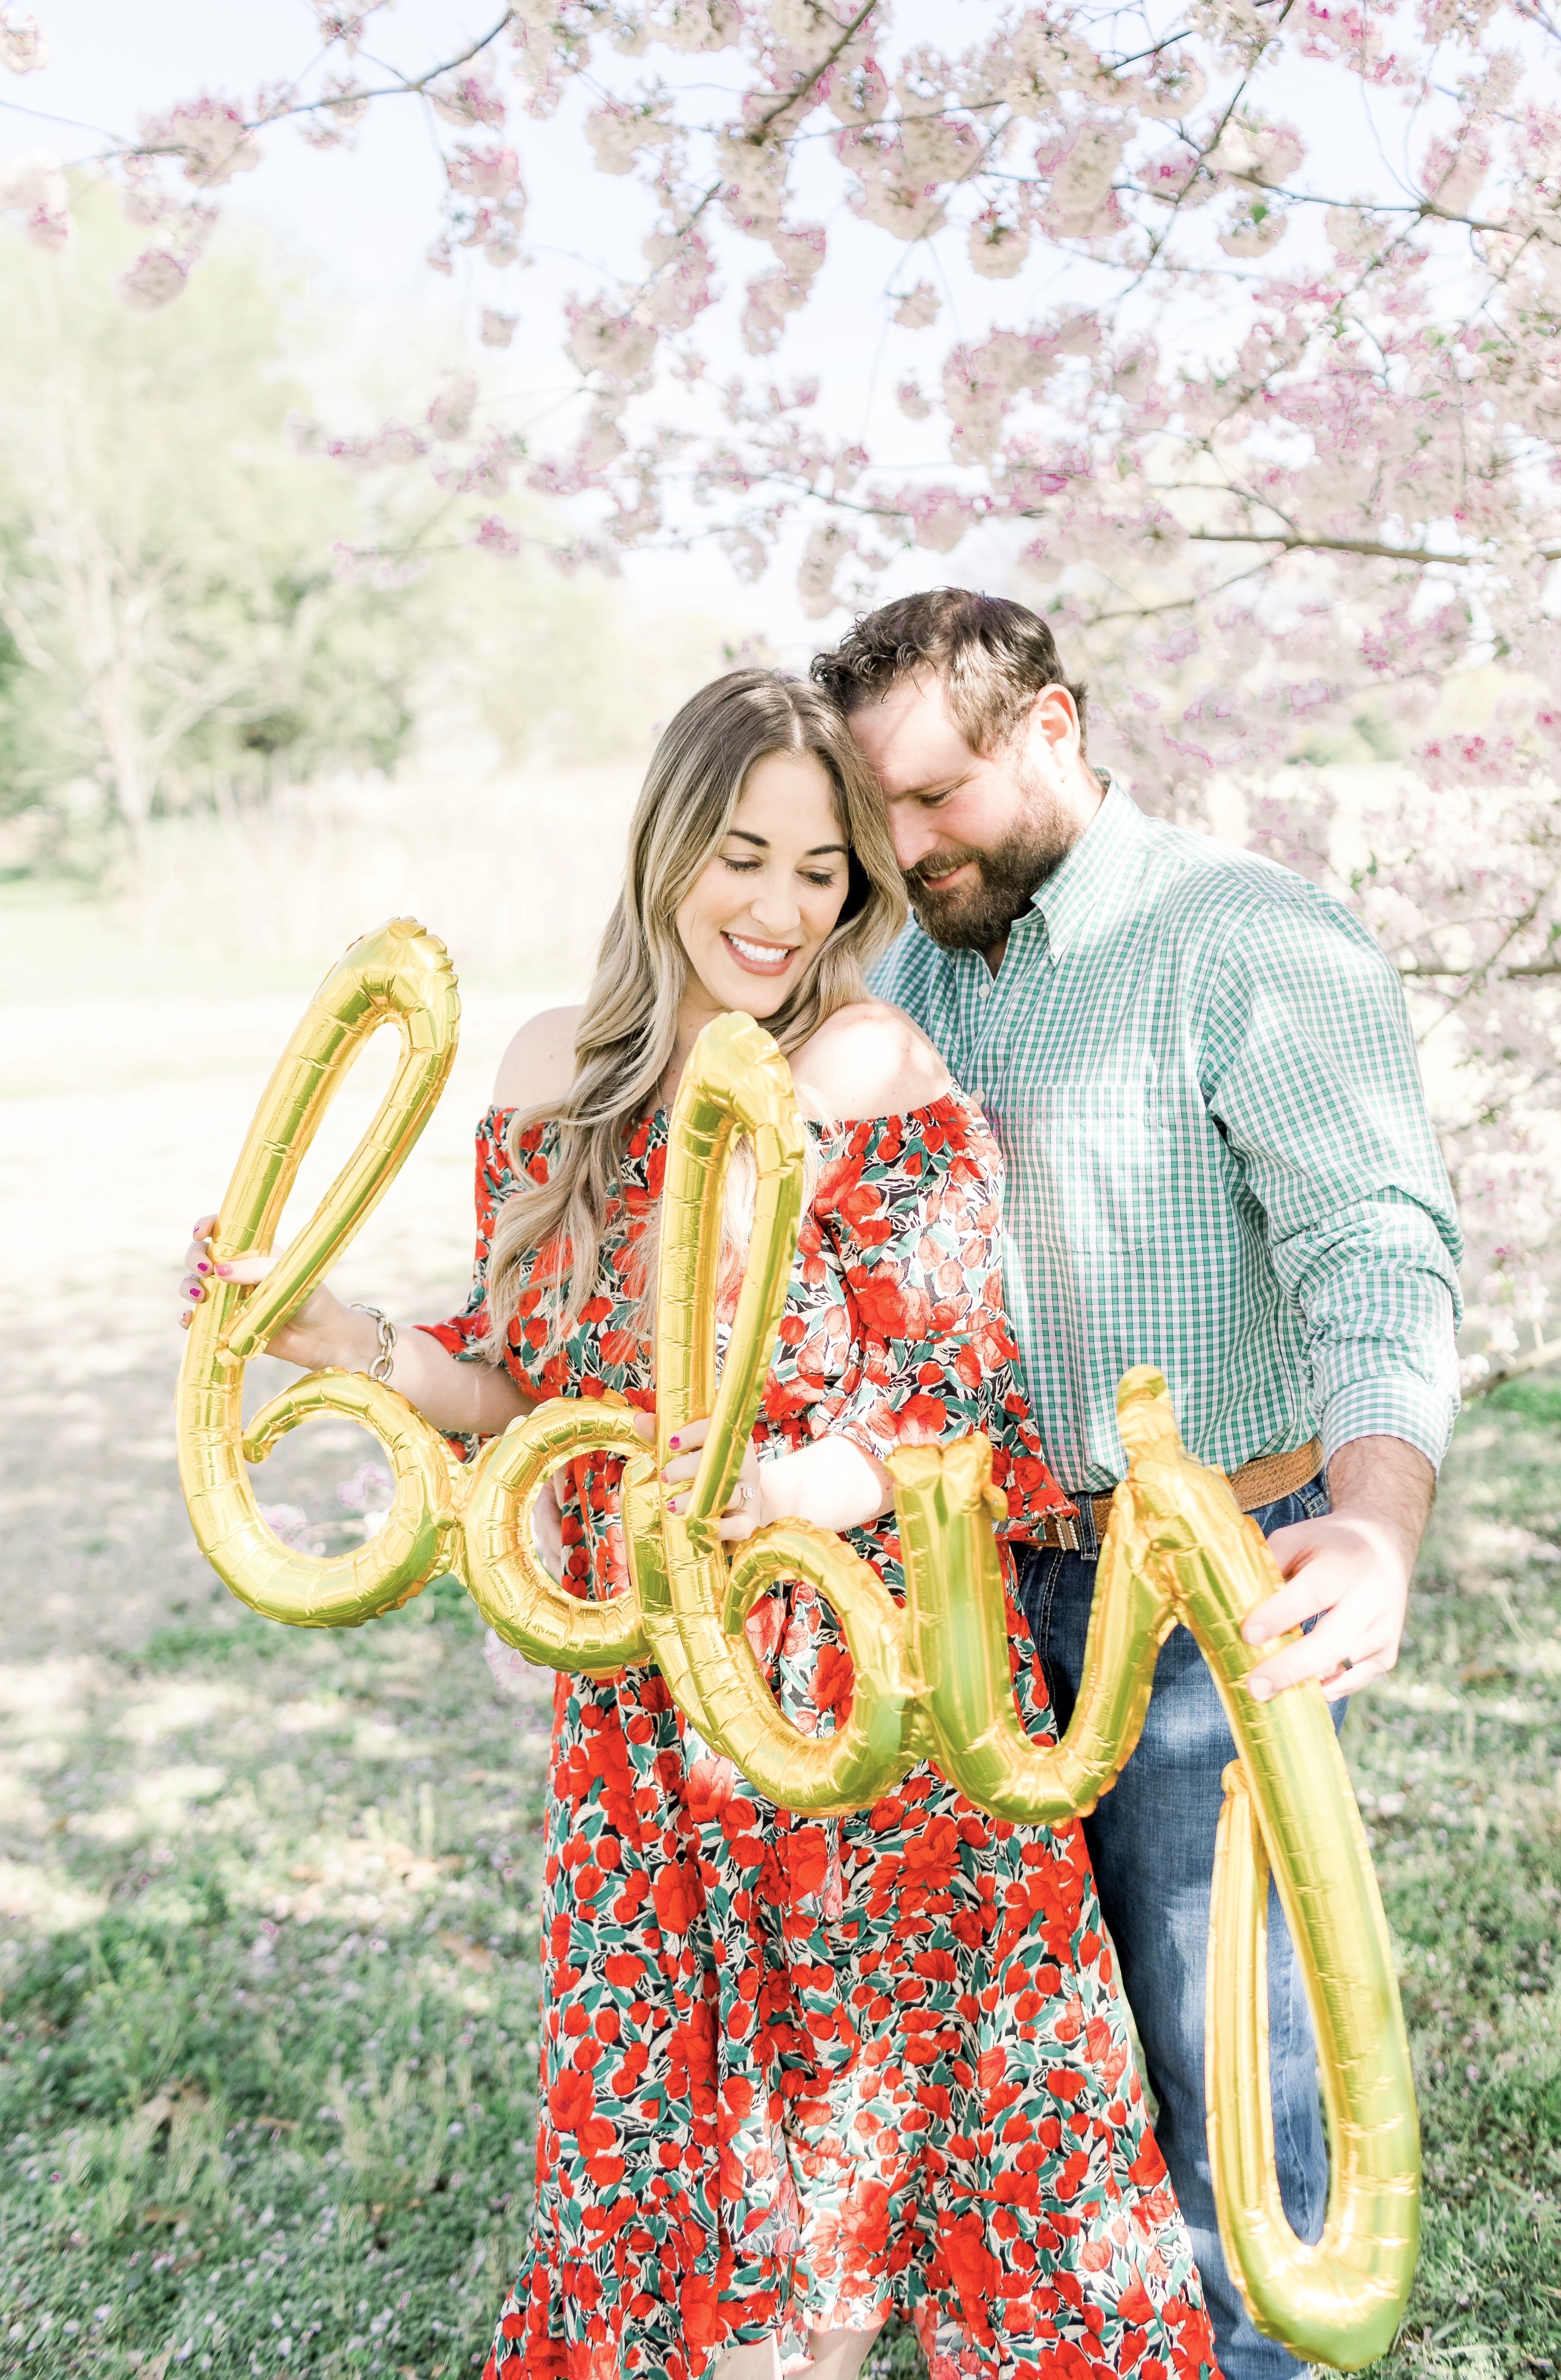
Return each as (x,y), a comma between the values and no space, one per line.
(994,658)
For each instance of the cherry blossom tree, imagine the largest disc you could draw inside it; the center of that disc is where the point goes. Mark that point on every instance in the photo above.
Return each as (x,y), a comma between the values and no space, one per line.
(1226,332)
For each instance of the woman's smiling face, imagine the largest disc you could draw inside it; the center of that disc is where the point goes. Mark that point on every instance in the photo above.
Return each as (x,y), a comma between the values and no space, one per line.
(757,916)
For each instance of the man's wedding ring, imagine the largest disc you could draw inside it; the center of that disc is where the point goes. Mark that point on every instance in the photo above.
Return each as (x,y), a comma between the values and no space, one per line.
(745,1494)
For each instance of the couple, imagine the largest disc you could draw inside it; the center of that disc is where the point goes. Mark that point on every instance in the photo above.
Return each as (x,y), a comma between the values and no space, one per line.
(1123,1096)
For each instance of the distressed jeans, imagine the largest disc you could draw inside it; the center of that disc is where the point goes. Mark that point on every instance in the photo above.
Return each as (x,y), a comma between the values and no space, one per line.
(1151,1842)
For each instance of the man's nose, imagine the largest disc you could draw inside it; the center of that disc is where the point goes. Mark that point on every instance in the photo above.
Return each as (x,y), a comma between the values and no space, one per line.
(914,837)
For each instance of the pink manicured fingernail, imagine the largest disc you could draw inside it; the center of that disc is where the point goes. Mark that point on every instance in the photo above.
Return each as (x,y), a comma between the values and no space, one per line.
(224,1272)
(202,1265)
(674,1441)
(194,1289)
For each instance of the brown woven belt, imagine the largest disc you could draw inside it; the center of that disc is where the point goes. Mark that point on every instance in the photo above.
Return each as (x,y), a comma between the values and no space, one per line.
(1259,1483)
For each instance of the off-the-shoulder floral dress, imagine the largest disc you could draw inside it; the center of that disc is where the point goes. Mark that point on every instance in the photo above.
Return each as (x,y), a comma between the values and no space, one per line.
(798,2075)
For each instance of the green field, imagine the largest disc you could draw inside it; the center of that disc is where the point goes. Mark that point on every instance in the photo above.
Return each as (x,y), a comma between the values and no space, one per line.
(268,2077)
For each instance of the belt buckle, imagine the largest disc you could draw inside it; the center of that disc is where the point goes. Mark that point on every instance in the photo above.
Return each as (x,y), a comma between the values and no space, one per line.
(1060,1532)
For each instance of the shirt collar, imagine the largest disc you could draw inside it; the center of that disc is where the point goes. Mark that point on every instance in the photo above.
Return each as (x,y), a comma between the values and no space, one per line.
(1096,875)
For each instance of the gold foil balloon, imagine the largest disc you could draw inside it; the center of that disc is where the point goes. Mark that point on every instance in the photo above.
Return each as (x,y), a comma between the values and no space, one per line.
(690,1601)
(402,976)
(932,1678)
(511,1588)
(1178,1549)
(1289,1806)
(958,1621)
(1340,2301)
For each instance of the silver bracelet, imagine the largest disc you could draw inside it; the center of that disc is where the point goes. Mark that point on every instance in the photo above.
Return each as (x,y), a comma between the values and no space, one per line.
(380,1369)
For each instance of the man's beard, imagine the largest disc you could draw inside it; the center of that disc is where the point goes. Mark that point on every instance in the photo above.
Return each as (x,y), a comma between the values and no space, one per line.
(974,915)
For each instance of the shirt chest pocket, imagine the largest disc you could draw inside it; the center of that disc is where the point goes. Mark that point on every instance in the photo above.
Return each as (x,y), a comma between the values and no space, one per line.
(1099,1158)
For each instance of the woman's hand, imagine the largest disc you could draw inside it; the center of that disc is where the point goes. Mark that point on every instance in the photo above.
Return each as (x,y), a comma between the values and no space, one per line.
(833,1483)
(321,1331)
(745,1513)
(458,1398)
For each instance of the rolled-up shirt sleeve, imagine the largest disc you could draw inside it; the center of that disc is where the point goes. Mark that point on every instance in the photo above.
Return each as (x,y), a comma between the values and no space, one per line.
(1310,1074)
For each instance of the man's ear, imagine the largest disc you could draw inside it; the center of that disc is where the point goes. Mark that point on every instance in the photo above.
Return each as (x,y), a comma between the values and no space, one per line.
(1055,716)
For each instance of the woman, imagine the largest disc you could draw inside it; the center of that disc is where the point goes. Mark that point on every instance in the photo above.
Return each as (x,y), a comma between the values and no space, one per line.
(795,2075)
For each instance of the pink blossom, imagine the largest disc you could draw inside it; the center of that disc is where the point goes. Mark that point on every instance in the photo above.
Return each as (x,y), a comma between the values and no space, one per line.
(857,92)
(998,248)
(1258,150)
(1172,88)
(483,472)
(828,547)
(395,443)
(210,134)
(1255,227)
(680,284)
(342,21)
(1081,182)
(621,132)
(494,535)
(292,1526)
(1302,516)
(919,307)
(450,411)
(939,517)
(771,299)
(368,565)
(755,172)
(467,99)
(343,105)
(490,173)
(33,185)
(390,445)
(1454,171)
(157,275)
(603,338)
(22,46)
(368,1484)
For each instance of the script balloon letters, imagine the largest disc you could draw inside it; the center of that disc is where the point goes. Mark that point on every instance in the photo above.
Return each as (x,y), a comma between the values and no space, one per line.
(932,1675)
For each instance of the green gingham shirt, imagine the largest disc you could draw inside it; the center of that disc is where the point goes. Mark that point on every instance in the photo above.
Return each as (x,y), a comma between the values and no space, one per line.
(1201,1071)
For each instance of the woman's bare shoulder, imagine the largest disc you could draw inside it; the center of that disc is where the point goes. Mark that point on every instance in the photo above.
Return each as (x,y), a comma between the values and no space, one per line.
(868,1059)
(539,1062)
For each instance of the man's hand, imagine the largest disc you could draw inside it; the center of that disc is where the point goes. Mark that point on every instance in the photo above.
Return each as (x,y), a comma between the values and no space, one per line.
(1353,1567)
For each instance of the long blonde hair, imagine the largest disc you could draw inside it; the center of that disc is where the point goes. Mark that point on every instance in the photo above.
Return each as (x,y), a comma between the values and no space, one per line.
(628,1029)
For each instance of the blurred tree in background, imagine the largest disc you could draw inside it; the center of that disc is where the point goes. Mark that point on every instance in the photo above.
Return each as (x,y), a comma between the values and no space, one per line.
(182,623)
(173,627)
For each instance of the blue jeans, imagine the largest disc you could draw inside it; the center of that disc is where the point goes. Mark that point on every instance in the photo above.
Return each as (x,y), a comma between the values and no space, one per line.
(1151,1842)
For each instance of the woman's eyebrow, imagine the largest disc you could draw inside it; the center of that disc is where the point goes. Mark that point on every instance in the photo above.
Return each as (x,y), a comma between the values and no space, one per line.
(761,843)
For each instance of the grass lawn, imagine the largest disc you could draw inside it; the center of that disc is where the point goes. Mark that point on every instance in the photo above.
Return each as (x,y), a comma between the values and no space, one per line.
(267,2047)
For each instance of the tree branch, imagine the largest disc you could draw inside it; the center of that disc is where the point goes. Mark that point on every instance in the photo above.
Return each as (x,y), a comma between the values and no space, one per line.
(1372,549)
(404,87)
(810,82)
(1520,1367)
(1531,971)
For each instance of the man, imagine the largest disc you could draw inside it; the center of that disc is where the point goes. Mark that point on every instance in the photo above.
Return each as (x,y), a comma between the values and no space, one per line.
(1219,1161)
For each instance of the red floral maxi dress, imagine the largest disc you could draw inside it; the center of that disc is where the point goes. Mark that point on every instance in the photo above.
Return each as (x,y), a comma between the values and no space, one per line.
(799,2074)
